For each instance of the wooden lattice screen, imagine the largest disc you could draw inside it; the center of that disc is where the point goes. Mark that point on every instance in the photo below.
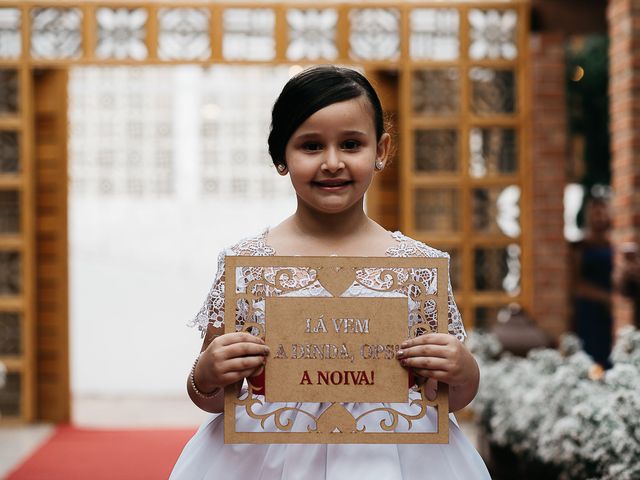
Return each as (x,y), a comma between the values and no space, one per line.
(453,72)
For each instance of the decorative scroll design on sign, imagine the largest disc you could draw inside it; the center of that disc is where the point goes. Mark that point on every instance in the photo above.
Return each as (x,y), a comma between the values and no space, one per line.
(251,281)
(390,424)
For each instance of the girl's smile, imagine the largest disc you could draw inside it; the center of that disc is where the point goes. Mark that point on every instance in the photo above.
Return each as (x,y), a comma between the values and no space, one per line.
(332,184)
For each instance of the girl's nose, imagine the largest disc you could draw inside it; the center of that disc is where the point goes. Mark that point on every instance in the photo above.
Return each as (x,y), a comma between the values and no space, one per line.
(331,161)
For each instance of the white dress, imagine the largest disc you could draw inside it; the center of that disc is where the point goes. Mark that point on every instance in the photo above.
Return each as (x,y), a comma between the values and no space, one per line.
(206,456)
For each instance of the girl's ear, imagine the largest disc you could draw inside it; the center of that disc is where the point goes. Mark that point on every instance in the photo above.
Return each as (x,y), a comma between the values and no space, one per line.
(383,149)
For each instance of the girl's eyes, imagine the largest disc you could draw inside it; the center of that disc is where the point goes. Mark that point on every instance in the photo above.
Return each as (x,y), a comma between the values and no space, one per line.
(346,145)
(350,145)
(312,146)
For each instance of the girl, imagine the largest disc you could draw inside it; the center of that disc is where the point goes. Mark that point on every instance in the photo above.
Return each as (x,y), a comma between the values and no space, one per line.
(327,135)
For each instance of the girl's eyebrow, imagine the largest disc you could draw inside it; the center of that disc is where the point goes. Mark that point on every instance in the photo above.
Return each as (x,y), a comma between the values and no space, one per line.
(304,136)
(355,132)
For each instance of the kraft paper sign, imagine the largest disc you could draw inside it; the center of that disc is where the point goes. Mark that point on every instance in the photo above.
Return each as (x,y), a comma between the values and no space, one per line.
(333,326)
(335,349)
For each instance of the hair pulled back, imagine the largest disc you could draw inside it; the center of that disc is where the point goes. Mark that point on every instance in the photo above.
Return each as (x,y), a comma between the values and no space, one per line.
(310,91)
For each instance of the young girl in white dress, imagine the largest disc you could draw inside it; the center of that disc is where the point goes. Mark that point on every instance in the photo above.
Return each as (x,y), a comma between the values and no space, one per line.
(327,134)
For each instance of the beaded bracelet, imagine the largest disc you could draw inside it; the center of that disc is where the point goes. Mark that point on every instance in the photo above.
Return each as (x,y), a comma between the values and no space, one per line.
(215,392)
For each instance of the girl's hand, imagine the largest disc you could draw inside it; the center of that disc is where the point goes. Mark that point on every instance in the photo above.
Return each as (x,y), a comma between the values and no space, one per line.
(439,356)
(229,358)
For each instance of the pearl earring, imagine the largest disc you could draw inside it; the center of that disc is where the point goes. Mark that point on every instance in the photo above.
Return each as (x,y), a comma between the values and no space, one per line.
(281,167)
(379,165)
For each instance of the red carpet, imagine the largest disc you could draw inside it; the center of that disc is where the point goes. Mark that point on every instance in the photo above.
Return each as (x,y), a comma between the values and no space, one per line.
(75,453)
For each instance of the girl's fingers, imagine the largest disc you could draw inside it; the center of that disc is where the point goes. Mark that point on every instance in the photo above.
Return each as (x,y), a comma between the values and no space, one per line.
(428,339)
(442,351)
(230,378)
(238,337)
(233,377)
(241,364)
(244,349)
(426,363)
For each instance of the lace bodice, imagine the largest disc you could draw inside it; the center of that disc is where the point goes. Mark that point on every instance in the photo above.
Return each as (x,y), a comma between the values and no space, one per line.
(303,282)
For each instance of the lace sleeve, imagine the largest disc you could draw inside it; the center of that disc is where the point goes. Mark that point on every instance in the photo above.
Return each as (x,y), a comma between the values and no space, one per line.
(408,247)
(212,311)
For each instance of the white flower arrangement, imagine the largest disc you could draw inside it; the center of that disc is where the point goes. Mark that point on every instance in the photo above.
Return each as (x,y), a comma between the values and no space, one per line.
(551,408)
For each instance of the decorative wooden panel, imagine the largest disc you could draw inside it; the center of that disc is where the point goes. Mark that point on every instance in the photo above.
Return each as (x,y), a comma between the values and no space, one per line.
(16,238)
(465,183)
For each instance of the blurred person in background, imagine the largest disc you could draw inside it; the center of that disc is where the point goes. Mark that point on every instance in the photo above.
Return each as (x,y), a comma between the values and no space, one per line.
(591,282)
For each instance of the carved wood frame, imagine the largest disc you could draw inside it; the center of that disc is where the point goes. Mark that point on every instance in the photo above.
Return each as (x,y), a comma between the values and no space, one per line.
(336,274)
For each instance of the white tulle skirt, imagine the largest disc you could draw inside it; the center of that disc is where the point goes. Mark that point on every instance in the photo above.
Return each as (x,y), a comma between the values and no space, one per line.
(206,456)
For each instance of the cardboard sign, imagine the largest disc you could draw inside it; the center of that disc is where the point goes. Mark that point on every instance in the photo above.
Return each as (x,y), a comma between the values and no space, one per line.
(334,347)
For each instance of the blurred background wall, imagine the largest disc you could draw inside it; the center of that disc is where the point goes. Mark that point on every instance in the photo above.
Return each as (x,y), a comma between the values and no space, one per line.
(168,165)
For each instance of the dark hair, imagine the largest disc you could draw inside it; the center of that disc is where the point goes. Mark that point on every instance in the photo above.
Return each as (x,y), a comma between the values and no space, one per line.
(310,91)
